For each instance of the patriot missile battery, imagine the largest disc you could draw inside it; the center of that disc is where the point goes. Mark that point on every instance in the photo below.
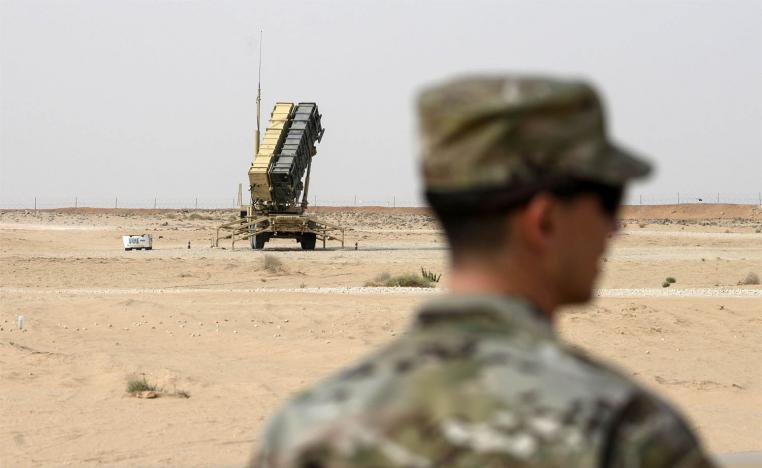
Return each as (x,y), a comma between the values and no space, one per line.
(279,181)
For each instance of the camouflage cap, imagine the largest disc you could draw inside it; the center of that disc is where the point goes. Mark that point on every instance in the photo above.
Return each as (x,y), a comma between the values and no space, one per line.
(513,131)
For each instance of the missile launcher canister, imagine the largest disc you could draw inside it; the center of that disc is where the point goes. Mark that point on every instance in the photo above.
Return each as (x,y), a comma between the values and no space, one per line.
(285,156)
(259,181)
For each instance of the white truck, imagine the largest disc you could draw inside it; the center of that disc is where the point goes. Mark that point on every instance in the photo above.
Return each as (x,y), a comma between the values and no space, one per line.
(141,242)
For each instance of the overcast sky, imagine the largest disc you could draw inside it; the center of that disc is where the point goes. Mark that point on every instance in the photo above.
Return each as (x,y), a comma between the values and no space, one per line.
(144,99)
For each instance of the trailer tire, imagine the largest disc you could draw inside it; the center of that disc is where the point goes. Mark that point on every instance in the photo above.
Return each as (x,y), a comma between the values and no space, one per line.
(308,241)
(258,241)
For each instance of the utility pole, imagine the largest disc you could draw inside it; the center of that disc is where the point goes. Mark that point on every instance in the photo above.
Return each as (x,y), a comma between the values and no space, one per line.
(35,203)
(116,202)
(259,96)
(678,198)
(154,203)
(75,202)
(197,202)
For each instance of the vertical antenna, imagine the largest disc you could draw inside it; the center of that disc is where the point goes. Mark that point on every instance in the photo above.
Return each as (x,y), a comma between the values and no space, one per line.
(259,95)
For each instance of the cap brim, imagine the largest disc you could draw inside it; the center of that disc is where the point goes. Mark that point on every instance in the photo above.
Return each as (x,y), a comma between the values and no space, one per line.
(619,166)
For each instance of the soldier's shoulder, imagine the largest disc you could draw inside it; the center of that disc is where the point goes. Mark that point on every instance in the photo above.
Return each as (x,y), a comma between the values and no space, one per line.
(648,432)
(645,430)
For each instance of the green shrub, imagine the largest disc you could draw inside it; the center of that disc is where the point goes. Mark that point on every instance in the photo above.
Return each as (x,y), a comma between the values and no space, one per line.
(407,280)
(136,385)
(432,277)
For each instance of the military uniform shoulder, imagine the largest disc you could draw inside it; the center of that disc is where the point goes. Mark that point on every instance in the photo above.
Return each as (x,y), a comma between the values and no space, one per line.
(649,433)
(645,430)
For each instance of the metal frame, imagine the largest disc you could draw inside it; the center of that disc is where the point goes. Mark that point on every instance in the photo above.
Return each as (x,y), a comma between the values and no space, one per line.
(283,226)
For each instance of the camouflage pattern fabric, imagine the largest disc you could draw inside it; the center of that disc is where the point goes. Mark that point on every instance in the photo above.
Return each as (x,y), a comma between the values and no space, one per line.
(478,381)
(508,131)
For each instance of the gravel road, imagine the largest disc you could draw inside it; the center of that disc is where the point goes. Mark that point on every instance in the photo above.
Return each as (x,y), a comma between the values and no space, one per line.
(739,292)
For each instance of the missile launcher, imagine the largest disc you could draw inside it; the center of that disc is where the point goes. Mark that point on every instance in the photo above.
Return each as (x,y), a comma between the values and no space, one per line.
(284,157)
(279,180)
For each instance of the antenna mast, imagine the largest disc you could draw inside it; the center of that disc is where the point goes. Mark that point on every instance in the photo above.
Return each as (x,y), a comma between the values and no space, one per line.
(259,95)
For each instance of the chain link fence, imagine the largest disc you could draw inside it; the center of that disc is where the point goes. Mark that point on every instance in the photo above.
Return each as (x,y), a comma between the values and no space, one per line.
(190,203)
(203,203)
(681,198)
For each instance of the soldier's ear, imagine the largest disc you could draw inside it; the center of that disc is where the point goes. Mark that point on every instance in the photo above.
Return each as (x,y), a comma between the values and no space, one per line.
(536,222)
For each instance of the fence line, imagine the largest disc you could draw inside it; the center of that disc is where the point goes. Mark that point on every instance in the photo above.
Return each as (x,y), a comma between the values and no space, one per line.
(187,203)
(197,202)
(682,198)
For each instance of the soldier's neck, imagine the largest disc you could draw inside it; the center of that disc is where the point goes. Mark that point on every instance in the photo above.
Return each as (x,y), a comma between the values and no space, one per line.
(509,279)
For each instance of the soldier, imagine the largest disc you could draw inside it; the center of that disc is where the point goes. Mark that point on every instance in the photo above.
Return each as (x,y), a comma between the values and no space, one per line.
(526,185)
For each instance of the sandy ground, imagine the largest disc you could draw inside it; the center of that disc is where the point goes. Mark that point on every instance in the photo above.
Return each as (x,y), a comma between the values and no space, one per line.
(240,338)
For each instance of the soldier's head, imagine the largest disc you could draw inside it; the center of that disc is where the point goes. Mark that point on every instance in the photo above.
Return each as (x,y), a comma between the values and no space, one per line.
(519,169)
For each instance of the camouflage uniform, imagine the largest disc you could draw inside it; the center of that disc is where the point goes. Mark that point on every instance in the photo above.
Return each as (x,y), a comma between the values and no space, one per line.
(483,381)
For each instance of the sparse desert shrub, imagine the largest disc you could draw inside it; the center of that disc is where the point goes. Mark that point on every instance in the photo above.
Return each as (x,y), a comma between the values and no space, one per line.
(665,284)
(670,280)
(272,264)
(642,225)
(751,278)
(431,276)
(139,385)
(407,280)
(379,280)
(136,386)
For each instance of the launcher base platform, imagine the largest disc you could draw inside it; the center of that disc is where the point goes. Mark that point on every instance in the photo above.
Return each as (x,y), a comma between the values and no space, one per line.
(258,229)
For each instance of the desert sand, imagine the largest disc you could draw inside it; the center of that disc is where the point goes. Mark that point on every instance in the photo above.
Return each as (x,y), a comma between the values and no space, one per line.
(240,338)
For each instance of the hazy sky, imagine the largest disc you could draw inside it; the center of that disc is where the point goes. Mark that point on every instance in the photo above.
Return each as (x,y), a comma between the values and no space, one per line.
(137,99)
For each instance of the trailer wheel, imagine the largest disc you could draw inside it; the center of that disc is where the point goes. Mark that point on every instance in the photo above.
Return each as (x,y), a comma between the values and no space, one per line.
(258,241)
(308,241)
